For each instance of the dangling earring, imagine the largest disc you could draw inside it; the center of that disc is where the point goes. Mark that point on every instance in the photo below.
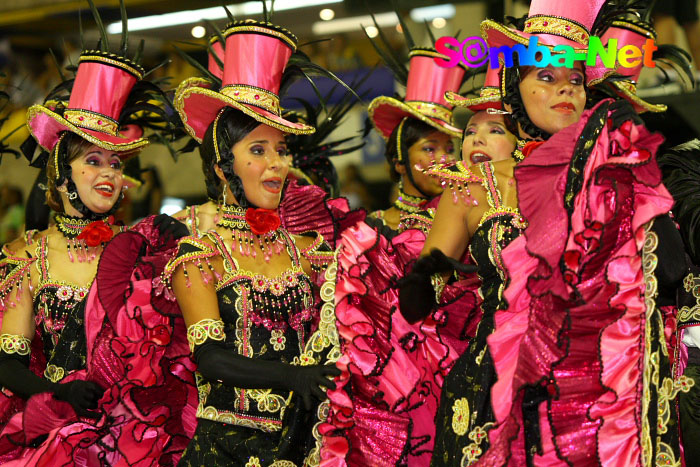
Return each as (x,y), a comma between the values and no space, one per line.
(72,195)
(225,190)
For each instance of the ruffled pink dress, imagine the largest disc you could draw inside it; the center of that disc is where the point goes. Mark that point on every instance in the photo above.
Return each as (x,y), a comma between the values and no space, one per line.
(581,352)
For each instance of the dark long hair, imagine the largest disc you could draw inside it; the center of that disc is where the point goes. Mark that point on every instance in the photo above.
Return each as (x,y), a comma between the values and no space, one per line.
(232,126)
(413,130)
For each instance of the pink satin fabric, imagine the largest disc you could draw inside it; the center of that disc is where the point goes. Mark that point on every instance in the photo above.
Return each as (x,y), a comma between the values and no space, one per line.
(427,81)
(101,88)
(256,60)
(212,66)
(587,352)
(395,391)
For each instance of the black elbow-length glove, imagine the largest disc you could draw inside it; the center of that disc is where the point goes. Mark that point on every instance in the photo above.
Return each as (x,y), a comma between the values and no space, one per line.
(416,293)
(217,363)
(16,376)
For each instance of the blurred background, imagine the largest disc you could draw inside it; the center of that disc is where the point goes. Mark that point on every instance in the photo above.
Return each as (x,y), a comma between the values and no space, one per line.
(29,28)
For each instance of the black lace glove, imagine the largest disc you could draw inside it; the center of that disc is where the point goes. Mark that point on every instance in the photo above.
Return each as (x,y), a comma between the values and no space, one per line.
(217,363)
(416,293)
(623,111)
(81,395)
(170,228)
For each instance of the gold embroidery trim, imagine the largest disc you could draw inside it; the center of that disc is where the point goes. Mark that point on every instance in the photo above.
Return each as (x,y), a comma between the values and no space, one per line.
(199,332)
(460,416)
(54,373)
(117,61)
(431,110)
(487,94)
(254,96)
(225,100)
(125,147)
(92,121)
(385,100)
(15,344)
(472,452)
(691,283)
(255,26)
(542,24)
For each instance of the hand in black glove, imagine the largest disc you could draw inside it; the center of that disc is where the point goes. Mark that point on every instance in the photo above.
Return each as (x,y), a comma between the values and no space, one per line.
(310,381)
(623,111)
(169,228)
(416,293)
(218,363)
(81,395)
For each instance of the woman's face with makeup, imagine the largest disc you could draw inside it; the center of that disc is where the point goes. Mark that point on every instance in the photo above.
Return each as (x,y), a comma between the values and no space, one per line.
(554,97)
(260,159)
(487,139)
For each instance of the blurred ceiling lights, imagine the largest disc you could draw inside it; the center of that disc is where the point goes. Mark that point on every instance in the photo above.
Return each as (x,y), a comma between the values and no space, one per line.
(200,31)
(214,13)
(326,14)
(384,20)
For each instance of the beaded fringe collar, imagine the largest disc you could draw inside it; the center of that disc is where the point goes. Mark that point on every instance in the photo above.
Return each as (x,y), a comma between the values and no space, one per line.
(233,218)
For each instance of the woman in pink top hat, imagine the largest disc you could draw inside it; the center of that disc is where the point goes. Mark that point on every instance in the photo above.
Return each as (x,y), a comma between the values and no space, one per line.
(418,130)
(246,286)
(546,380)
(86,129)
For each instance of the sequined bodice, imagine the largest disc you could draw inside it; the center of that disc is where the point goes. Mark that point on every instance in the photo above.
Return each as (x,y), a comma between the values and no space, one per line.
(499,226)
(59,305)
(264,317)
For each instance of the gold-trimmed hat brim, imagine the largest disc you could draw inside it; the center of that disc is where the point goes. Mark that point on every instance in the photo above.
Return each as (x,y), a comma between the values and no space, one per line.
(626,90)
(212,102)
(473,103)
(46,126)
(496,34)
(395,110)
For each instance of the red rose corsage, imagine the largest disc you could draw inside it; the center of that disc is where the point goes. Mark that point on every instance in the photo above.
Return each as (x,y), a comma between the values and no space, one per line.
(96,233)
(262,221)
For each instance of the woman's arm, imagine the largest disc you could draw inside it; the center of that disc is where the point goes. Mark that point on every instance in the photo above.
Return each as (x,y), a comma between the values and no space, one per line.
(216,362)
(449,232)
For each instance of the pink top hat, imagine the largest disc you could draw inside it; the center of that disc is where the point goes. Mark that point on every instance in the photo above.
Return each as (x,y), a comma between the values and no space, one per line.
(489,96)
(627,33)
(554,22)
(102,85)
(256,55)
(425,96)
(212,64)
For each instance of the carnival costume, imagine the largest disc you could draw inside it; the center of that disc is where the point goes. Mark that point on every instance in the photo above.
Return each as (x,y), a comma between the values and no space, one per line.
(109,105)
(579,346)
(257,360)
(423,102)
(309,200)
(465,412)
(383,408)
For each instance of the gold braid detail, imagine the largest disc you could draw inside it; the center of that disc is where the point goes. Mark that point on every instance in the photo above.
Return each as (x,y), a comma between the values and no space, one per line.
(216,141)
(205,329)
(15,344)
(398,139)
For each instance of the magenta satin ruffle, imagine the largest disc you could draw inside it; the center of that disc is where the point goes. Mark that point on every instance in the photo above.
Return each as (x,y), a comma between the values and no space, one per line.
(308,208)
(382,411)
(576,301)
(137,349)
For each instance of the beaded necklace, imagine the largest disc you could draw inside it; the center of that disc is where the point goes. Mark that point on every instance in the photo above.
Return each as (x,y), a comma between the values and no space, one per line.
(236,219)
(409,204)
(83,236)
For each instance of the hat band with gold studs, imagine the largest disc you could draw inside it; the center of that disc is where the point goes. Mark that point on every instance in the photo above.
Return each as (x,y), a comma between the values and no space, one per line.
(557,26)
(431,110)
(252,95)
(92,121)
